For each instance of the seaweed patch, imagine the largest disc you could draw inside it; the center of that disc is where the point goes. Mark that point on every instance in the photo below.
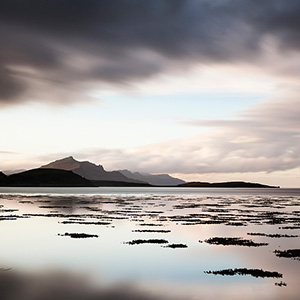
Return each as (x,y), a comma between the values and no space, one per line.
(152,231)
(291,253)
(281,283)
(275,235)
(233,241)
(150,241)
(244,271)
(79,235)
(174,246)
(85,223)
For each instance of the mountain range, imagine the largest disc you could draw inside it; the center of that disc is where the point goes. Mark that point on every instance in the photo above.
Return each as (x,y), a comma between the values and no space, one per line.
(159,180)
(94,172)
(88,170)
(68,172)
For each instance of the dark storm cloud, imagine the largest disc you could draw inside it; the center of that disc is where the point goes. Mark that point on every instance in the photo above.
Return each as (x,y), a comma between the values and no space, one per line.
(9,86)
(127,40)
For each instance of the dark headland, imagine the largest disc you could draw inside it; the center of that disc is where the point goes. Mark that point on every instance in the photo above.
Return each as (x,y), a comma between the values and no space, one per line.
(45,178)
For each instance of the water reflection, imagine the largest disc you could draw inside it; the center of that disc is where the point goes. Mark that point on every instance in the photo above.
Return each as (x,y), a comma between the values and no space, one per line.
(153,242)
(55,285)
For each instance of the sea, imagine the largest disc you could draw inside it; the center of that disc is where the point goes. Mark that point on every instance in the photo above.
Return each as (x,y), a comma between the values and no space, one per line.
(142,243)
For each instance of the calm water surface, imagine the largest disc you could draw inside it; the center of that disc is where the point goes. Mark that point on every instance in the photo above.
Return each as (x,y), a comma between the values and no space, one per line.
(39,250)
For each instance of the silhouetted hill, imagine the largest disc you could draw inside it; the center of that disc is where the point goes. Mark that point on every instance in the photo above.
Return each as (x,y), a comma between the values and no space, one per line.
(159,180)
(232,184)
(2,175)
(10,172)
(47,178)
(3,179)
(88,170)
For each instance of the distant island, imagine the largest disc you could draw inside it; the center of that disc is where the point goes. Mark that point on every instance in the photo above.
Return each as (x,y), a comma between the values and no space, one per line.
(230,184)
(68,172)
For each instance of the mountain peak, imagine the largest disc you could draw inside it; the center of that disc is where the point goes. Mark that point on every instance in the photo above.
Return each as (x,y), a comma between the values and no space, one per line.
(87,170)
(67,163)
(69,158)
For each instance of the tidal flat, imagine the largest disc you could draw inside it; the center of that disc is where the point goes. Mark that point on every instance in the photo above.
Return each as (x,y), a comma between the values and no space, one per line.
(152,245)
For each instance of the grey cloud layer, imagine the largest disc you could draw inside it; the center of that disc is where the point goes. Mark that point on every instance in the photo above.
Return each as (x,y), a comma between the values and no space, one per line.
(43,41)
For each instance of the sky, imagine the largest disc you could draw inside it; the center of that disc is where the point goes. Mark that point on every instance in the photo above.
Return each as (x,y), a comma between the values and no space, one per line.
(203,90)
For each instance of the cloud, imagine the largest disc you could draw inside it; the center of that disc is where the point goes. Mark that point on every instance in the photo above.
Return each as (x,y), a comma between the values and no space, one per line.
(8,152)
(66,47)
(280,115)
(10,86)
(265,139)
